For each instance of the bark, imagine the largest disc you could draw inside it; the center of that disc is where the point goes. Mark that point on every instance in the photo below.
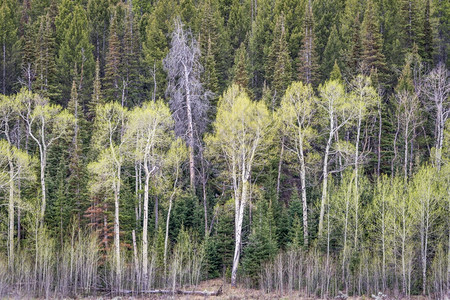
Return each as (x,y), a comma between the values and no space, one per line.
(11,216)
(239,207)
(190,131)
(356,179)
(325,176)
(303,190)
(145,227)
(280,165)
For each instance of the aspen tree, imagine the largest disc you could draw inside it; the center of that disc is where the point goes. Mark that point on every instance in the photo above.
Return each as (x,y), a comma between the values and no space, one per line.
(240,131)
(295,114)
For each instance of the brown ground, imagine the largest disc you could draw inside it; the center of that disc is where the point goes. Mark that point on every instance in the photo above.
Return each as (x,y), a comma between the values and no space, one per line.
(229,293)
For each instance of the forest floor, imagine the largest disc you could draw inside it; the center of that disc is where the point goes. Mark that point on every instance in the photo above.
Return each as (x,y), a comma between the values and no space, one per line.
(230,293)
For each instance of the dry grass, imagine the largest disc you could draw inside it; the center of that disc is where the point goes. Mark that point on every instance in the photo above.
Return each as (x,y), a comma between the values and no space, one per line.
(239,293)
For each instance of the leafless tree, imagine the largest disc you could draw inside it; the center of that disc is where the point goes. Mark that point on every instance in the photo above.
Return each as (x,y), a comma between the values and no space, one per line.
(188,99)
(436,87)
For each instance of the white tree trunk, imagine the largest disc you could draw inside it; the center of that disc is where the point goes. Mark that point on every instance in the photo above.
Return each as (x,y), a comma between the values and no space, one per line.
(303,189)
(190,129)
(11,216)
(325,179)
(239,218)
(145,228)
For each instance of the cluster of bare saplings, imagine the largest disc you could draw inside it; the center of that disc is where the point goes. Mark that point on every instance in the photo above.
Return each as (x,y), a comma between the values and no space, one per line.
(81,268)
(312,274)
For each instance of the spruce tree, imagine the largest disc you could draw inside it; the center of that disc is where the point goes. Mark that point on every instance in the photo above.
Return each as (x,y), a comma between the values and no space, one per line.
(9,59)
(372,44)
(426,43)
(113,81)
(278,67)
(240,70)
(75,49)
(307,66)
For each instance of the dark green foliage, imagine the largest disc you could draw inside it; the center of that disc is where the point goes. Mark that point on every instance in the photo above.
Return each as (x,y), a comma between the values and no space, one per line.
(261,245)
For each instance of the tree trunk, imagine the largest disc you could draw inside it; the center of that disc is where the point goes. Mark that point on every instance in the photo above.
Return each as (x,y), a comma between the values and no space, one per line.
(240,206)
(325,179)
(303,189)
(190,132)
(116,228)
(11,216)
(356,180)
(280,165)
(145,228)
(43,189)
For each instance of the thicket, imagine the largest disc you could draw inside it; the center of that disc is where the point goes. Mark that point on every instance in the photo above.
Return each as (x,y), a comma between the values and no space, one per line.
(287,145)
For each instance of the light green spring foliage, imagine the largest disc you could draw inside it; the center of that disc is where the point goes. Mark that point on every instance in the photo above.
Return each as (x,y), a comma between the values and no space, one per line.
(22,163)
(240,129)
(47,122)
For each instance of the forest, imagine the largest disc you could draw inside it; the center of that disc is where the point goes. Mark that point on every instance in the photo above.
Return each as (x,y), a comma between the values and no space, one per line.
(297,147)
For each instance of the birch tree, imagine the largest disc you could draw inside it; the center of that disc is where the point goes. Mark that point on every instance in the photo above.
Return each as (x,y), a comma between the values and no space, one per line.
(109,141)
(188,99)
(295,114)
(15,165)
(339,111)
(364,98)
(436,88)
(45,123)
(240,131)
(150,127)
(173,162)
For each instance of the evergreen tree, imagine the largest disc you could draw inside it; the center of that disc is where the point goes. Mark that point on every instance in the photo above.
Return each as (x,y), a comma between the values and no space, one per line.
(156,46)
(307,66)
(75,50)
(97,97)
(113,83)
(372,44)
(9,62)
(427,37)
(261,244)
(46,83)
(240,71)
(278,66)
(331,53)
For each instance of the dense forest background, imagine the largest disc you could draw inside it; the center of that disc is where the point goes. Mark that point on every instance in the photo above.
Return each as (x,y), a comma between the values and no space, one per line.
(280,144)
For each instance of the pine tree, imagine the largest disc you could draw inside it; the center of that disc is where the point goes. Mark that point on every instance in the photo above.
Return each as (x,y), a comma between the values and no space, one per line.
(336,73)
(426,49)
(156,46)
(372,44)
(75,49)
(46,83)
(307,67)
(76,183)
(261,244)
(356,50)
(331,53)
(97,97)
(113,79)
(240,71)
(278,66)
(9,60)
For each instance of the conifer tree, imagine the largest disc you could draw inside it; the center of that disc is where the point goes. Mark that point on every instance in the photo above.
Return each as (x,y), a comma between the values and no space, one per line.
(75,49)
(113,79)
(97,97)
(331,53)
(307,66)
(156,46)
(427,36)
(46,83)
(278,68)
(8,45)
(372,44)
(240,72)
